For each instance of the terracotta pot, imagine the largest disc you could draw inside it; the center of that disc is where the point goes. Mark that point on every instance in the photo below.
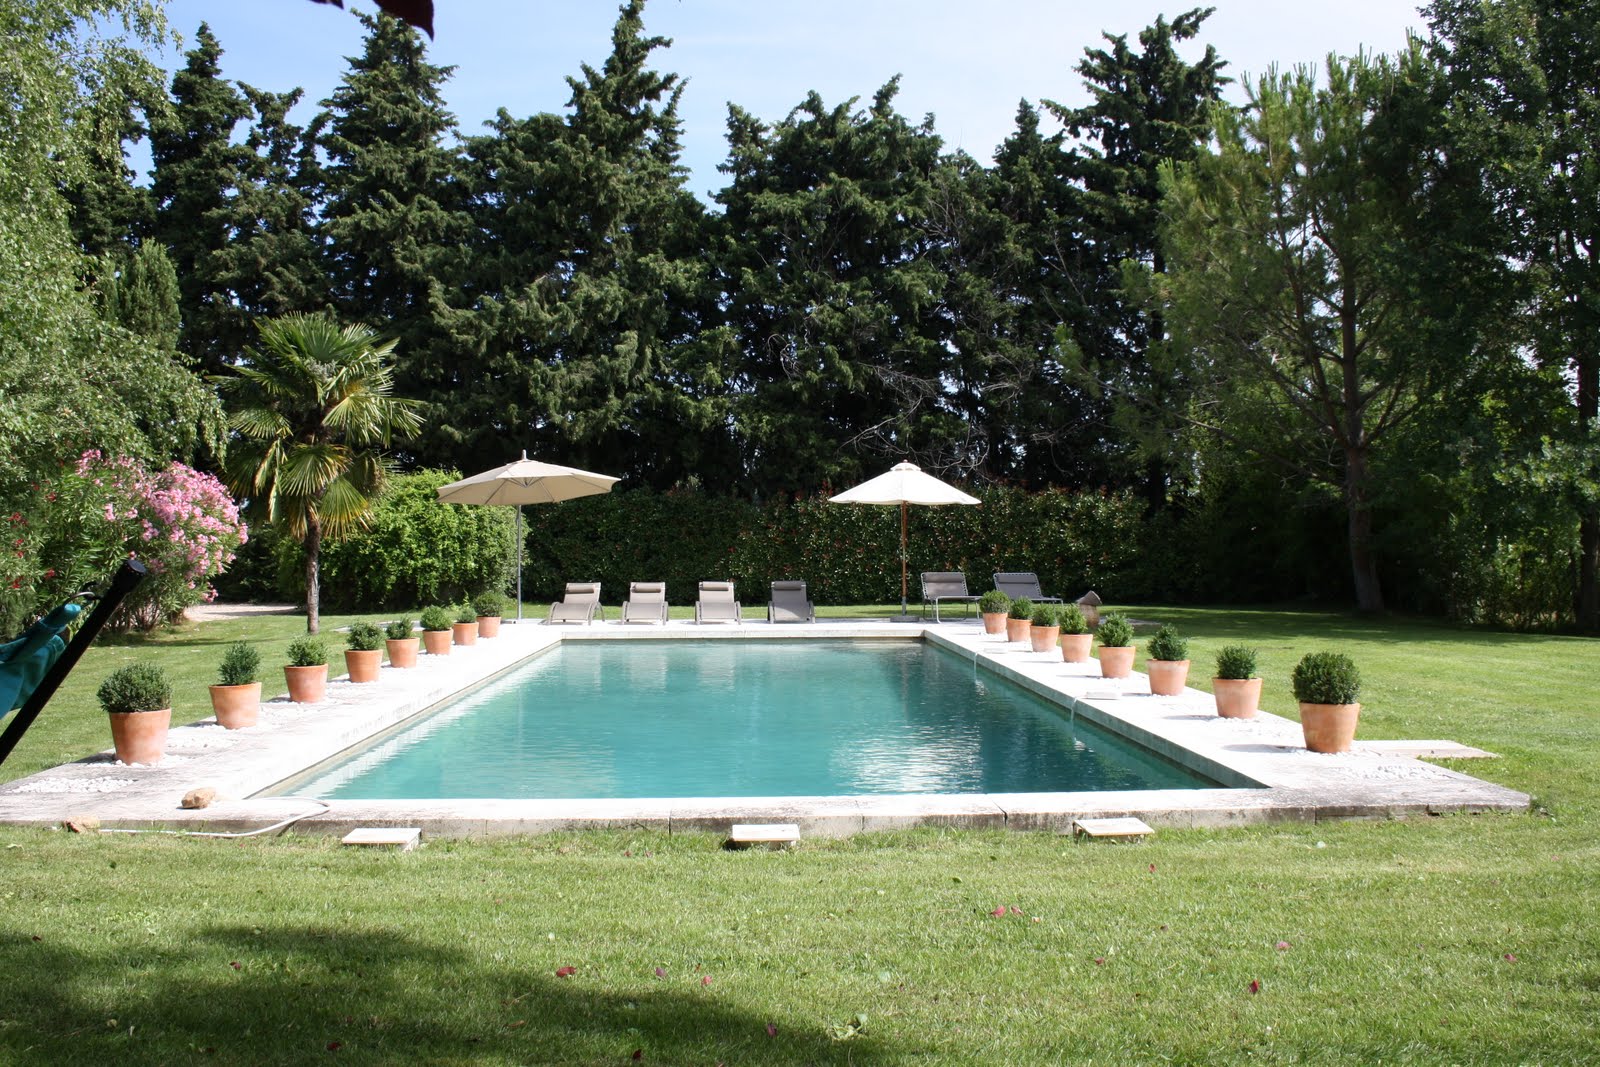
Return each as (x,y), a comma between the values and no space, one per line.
(488,626)
(363,665)
(1017,629)
(140,736)
(236,706)
(307,685)
(1116,661)
(1167,676)
(402,653)
(1237,698)
(1329,727)
(1075,647)
(994,622)
(466,633)
(1044,638)
(437,642)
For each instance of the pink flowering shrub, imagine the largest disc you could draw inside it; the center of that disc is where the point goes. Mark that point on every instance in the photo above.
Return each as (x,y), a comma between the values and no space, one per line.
(180,523)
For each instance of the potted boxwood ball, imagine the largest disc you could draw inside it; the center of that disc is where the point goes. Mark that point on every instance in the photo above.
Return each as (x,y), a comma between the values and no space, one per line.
(1237,687)
(1116,646)
(365,654)
(465,628)
(488,607)
(236,696)
(401,642)
(307,670)
(138,701)
(1327,686)
(1075,635)
(1045,630)
(436,624)
(1168,663)
(993,606)
(1019,619)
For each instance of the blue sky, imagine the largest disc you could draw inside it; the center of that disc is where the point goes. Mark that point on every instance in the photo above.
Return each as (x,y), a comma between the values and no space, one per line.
(968,62)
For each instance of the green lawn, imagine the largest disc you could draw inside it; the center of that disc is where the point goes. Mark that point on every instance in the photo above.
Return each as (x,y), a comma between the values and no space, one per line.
(1449,940)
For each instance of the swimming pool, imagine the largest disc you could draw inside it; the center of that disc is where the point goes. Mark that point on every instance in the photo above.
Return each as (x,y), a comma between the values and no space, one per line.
(633,719)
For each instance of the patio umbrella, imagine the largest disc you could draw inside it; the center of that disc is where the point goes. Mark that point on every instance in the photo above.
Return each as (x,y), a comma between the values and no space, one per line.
(903,484)
(526,481)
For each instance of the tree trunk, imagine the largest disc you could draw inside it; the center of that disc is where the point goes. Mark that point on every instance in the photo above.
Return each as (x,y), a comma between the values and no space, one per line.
(313,582)
(1358,509)
(1587,368)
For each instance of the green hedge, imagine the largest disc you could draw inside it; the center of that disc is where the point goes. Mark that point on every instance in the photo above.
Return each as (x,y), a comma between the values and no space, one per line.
(848,554)
(414,551)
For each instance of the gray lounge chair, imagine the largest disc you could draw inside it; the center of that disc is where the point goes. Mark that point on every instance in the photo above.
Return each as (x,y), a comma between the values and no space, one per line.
(1016,584)
(647,602)
(579,603)
(938,586)
(717,603)
(789,603)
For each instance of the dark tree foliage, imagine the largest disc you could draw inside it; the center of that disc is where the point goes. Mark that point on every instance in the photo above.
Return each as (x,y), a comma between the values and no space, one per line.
(587,287)
(1149,106)
(1525,75)
(832,295)
(197,172)
(392,218)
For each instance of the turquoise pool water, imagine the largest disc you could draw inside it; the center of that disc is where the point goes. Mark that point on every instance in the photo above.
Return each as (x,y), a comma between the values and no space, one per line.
(746,718)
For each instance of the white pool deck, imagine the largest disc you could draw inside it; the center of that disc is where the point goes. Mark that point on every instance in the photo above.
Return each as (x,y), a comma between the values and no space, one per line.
(1266,772)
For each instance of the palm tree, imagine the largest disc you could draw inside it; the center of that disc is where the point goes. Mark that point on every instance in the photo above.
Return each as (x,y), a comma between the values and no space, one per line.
(311,408)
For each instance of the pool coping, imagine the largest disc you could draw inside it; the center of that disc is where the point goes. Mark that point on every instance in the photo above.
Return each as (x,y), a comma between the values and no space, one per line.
(1266,772)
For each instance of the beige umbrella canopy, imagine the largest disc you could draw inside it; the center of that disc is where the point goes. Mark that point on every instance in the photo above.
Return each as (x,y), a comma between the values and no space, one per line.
(903,484)
(525,481)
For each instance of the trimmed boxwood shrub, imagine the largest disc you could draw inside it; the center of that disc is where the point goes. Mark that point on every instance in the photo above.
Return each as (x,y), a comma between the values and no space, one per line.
(1326,678)
(489,605)
(994,602)
(364,636)
(240,665)
(1115,631)
(1046,615)
(136,687)
(1236,662)
(1167,646)
(1021,608)
(1072,620)
(464,613)
(435,618)
(398,630)
(307,652)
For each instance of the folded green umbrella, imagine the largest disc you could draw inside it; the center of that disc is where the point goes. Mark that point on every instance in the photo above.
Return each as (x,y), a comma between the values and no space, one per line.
(23,662)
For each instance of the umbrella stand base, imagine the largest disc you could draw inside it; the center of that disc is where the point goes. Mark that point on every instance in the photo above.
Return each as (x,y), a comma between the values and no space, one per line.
(905,618)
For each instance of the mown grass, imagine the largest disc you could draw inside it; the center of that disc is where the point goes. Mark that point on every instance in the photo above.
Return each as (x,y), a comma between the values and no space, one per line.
(1471,940)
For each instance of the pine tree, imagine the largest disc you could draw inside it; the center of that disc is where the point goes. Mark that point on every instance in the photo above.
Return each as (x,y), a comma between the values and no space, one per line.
(1149,106)
(832,295)
(391,217)
(198,170)
(583,304)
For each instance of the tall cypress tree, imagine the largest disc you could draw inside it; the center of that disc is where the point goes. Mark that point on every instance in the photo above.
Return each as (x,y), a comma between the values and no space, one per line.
(831,293)
(392,216)
(1148,107)
(197,172)
(583,304)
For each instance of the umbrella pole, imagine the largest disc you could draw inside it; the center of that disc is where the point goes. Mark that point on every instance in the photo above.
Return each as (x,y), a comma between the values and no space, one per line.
(519,559)
(904,611)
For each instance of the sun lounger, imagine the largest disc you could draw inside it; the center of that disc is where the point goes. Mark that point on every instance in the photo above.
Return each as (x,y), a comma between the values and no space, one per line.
(716,603)
(938,586)
(789,603)
(1016,584)
(647,602)
(579,603)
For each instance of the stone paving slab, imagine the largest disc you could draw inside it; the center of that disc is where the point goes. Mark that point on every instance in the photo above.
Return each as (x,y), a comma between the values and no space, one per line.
(1264,771)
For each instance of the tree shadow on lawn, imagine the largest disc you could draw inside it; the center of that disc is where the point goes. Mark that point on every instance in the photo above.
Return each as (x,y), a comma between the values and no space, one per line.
(269,994)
